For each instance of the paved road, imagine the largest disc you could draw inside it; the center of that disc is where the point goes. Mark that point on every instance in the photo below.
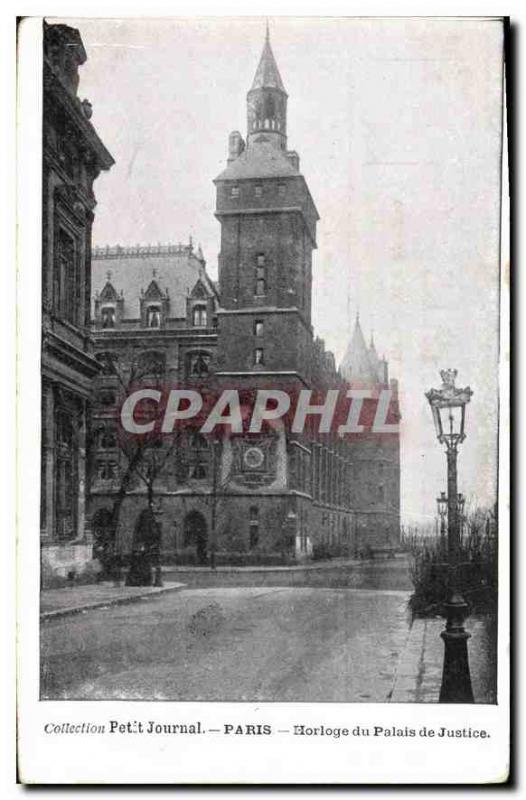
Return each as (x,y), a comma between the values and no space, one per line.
(260,644)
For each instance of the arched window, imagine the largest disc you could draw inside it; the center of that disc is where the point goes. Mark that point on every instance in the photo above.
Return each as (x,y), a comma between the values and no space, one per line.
(199,316)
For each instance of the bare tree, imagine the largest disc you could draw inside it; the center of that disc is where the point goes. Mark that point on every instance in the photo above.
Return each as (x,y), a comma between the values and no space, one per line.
(142,456)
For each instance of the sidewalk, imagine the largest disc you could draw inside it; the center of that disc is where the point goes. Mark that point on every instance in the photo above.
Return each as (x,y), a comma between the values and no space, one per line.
(63,602)
(419,673)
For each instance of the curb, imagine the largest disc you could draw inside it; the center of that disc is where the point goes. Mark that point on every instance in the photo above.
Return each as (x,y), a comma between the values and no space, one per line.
(48,616)
(307,566)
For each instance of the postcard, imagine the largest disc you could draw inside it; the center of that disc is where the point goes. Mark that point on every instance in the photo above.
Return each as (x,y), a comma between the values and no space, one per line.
(263,341)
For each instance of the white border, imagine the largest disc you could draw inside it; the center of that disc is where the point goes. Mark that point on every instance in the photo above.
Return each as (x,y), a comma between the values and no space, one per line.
(51,760)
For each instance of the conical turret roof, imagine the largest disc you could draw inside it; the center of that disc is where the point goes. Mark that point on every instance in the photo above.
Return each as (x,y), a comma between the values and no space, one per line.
(356,365)
(373,355)
(267,74)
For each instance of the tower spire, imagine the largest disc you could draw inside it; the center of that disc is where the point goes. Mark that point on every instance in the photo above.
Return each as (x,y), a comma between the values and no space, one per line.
(267,101)
(356,365)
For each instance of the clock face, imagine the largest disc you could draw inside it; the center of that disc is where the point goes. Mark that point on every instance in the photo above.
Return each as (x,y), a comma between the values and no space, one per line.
(253,458)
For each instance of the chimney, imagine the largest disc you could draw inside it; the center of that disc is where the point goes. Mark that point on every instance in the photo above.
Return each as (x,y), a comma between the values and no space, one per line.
(236,145)
(294,159)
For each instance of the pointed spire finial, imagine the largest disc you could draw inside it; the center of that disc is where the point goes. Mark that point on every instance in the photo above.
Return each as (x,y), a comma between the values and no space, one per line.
(267,74)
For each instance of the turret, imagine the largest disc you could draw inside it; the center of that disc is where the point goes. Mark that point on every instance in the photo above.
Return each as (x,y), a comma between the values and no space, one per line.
(360,363)
(267,102)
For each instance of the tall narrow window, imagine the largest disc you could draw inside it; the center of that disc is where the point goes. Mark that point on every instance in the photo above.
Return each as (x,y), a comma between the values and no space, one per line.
(258,327)
(199,457)
(153,317)
(258,356)
(254,526)
(234,192)
(261,276)
(67,294)
(258,190)
(199,317)
(107,315)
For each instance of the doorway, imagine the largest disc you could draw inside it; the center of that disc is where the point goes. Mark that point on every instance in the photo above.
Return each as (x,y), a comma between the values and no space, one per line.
(195,534)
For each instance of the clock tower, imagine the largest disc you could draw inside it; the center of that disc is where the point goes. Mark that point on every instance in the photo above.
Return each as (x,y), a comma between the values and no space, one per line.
(268,232)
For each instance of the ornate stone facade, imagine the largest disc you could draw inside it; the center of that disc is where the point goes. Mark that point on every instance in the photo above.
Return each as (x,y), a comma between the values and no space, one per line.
(73,156)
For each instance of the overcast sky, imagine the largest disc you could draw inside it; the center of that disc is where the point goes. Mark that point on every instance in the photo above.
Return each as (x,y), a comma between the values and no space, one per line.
(398,126)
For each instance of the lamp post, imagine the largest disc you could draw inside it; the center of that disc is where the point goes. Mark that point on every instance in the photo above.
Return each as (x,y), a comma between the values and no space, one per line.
(461,500)
(442,512)
(448,405)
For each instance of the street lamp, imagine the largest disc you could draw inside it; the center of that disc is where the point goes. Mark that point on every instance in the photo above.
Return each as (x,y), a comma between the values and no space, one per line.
(448,405)
(442,512)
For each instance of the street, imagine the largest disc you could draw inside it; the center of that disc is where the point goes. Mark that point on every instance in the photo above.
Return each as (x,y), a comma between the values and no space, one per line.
(264,643)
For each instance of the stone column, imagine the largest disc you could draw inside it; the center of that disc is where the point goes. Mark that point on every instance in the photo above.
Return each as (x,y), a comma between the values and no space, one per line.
(81,471)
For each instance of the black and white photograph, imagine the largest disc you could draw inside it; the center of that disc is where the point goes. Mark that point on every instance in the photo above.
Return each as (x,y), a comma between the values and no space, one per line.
(271,369)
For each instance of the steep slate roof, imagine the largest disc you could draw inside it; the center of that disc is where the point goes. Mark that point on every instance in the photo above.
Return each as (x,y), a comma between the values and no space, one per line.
(131,269)
(260,160)
(356,364)
(267,74)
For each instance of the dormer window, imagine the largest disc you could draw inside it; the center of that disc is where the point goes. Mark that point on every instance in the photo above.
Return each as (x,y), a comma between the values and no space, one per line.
(234,191)
(199,316)
(153,317)
(107,316)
